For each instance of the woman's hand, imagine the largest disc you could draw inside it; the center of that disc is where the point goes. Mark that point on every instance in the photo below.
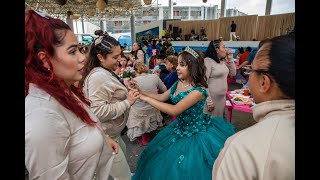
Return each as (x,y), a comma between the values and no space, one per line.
(133,85)
(230,56)
(133,95)
(114,145)
(210,107)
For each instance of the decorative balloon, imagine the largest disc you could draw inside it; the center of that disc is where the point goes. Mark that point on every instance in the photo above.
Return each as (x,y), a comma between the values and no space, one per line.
(101,5)
(147,2)
(126,5)
(91,12)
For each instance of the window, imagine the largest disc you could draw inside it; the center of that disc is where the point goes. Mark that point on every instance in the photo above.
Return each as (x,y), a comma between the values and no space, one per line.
(195,13)
(145,13)
(146,22)
(176,13)
(118,23)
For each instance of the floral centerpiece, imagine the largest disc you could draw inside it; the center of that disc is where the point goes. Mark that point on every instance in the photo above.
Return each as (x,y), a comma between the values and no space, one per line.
(127,73)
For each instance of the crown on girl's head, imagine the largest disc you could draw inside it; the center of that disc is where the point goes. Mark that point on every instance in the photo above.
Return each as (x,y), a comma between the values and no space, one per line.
(192,52)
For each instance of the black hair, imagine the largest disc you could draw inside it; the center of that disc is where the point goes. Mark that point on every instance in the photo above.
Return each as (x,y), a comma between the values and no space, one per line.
(279,55)
(98,32)
(104,48)
(196,68)
(135,53)
(240,49)
(282,63)
(161,56)
(211,50)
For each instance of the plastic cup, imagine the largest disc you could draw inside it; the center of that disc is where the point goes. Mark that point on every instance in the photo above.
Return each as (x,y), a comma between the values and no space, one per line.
(246,92)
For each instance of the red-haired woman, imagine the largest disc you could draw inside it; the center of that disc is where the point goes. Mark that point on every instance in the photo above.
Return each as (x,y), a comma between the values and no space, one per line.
(63,138)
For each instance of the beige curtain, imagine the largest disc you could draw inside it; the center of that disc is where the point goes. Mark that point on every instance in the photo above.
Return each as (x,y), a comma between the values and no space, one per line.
(274,25)
(248,27)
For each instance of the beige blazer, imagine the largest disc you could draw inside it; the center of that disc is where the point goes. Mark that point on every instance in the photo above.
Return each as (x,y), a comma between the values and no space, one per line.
(108,100)
(264,151)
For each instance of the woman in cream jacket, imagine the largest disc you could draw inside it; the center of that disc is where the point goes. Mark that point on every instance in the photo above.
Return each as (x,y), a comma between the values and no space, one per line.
(109,97)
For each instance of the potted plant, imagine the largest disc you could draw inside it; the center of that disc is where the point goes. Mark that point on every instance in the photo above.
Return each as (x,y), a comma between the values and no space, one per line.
(204,39)
(178,39)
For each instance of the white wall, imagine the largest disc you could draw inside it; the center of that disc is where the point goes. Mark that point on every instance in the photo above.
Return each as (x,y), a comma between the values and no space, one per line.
(89,28)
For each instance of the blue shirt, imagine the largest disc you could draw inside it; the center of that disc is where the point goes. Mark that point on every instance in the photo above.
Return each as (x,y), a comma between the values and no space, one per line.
(170,79)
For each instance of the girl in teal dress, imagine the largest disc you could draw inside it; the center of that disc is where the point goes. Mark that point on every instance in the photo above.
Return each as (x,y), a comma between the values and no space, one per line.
(187,147)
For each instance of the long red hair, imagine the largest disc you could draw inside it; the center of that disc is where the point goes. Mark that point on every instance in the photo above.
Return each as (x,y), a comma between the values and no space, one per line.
(44,34)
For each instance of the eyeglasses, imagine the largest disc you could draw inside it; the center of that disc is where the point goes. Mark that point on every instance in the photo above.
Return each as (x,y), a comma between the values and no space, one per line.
(261,71)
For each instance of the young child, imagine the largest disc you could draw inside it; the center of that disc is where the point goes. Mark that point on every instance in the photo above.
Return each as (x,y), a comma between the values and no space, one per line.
(123,64)
(187,147)
(144,118)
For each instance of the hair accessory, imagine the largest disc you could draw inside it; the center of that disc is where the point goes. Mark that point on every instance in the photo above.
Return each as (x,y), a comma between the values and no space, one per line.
(42,13)
(192,52)
(98,40)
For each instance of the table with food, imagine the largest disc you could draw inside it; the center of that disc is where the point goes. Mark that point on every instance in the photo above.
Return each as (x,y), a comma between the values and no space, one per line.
(241,100)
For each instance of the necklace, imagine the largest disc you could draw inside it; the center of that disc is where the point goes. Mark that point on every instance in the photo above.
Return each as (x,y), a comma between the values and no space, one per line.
(184,86)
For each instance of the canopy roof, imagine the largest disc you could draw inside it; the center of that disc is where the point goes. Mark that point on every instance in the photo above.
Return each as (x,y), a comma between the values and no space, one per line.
(89,10)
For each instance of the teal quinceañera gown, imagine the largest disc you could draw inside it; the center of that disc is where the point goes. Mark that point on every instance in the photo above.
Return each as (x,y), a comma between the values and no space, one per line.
(187,147)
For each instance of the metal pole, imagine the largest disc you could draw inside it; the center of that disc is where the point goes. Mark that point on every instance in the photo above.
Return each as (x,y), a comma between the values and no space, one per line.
(268,7)
(133,34)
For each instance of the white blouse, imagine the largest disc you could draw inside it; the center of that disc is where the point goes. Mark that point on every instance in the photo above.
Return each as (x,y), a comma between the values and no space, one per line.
(58,145)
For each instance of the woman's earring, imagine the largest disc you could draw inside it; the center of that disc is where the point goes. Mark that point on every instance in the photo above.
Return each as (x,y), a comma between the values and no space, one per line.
(48,68)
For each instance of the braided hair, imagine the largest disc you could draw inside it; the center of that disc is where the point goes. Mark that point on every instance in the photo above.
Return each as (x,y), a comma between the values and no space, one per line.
(103,45)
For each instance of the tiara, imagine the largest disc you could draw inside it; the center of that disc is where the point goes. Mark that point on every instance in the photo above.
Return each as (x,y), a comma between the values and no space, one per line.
(192,52)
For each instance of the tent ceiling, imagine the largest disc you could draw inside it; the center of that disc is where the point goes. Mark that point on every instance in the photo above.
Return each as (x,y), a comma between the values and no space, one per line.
(114,9)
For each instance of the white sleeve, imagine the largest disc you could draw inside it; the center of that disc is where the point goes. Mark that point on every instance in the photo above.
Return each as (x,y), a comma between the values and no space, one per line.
(46,145)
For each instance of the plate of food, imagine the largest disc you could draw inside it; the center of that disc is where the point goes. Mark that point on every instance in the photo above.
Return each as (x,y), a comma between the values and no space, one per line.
(241,100)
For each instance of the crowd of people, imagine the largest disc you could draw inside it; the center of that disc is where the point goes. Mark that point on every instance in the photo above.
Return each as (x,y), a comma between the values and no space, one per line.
(78,105)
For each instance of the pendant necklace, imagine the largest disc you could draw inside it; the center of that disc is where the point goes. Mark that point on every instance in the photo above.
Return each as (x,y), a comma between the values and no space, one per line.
(184,86)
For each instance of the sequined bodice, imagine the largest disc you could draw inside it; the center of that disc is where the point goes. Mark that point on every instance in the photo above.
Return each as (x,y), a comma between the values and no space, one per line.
(192,120)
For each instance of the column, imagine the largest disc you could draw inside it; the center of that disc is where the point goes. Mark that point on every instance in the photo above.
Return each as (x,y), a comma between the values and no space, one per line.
(268,7)
(82,23)
(202,12)
(189,13)
(170,9)
(133,34)
(223,8)
(101,25)
(70,23)
(160,13)
(215,12)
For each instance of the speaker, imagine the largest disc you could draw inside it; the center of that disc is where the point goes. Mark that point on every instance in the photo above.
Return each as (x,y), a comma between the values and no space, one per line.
(175,32)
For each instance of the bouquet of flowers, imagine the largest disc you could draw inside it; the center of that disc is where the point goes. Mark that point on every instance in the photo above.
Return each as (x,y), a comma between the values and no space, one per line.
(128,72)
